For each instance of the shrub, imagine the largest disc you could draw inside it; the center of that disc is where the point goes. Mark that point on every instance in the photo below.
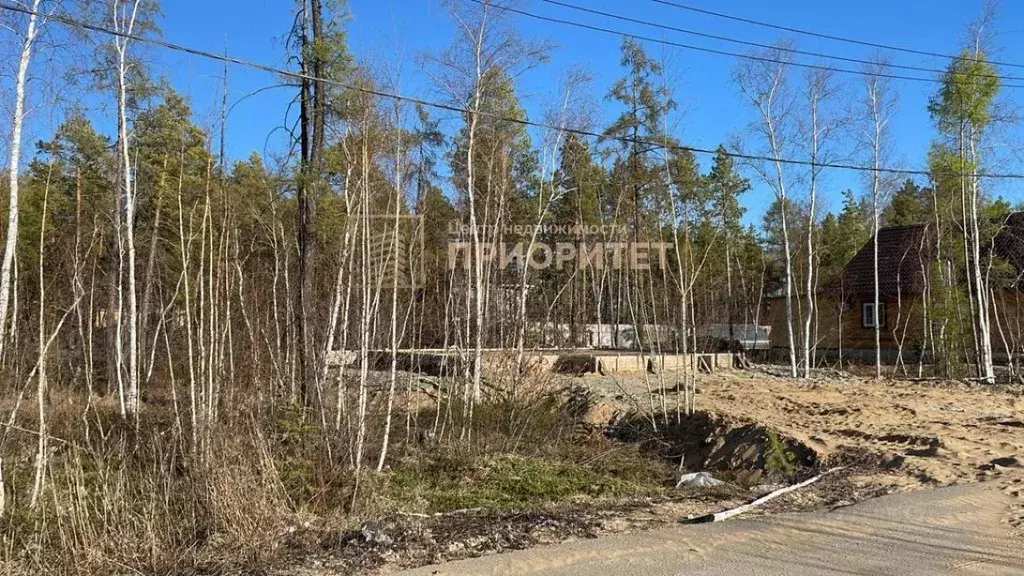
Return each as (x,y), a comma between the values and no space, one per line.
(779,460)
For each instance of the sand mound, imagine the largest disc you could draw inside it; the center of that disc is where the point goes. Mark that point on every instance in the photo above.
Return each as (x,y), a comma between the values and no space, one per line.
(920,433)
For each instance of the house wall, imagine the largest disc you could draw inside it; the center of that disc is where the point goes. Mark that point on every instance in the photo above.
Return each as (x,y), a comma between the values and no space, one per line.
(836,328)
(1008,322)
(903,326)
(842,327)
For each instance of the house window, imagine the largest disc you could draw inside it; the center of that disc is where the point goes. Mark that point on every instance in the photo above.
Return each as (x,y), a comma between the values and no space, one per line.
(867,314)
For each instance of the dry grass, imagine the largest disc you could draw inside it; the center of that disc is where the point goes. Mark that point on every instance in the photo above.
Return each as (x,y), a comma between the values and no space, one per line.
(127,499)
(120,499)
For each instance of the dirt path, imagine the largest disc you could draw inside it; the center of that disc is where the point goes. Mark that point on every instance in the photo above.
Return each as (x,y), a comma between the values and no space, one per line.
(956,530)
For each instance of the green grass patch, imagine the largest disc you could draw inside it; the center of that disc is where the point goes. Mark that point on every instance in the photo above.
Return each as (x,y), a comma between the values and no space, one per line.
(506,482)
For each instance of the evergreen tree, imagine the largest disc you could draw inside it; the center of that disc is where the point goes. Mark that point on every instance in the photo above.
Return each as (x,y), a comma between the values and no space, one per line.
(505,160)
(910,204)
(843,235)
(725,186)
(645,104)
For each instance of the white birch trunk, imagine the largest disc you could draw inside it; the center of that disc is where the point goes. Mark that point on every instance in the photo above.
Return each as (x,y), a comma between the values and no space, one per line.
(809,288)
(17,123)
(393,372)
(987,371)
(781,188)
(42,449)
(478,282)
(126,23)
(874,267)
(185,243)
(879,107)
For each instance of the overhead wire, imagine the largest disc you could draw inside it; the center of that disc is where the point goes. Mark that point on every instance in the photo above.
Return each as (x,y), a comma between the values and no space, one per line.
(666,145)
(754,57)
(825,36)
(782,48)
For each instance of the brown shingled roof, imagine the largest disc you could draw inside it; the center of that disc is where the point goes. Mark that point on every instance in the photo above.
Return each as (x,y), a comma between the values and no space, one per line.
(1009,242)
(901,252)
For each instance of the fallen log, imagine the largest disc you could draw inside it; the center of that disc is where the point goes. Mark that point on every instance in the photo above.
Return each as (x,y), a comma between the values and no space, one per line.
(440,514)
(726,514)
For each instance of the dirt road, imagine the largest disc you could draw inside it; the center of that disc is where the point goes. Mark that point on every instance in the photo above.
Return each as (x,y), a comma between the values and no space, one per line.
(954,530)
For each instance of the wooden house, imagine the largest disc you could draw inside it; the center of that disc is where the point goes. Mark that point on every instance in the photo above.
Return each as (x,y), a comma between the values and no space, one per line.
(907,270)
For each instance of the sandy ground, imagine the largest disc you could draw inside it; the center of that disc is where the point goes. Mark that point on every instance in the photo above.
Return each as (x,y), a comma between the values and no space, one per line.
(917,434)
(932,434)
(943,432)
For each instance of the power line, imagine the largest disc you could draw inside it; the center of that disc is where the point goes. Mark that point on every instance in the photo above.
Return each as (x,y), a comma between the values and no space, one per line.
(461,110)
(727,53)
(766,46)
(825,36)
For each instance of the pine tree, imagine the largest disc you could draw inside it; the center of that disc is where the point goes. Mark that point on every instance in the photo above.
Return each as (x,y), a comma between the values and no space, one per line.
(910,204)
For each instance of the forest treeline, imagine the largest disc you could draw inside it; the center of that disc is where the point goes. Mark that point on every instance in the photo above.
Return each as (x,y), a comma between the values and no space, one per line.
(143,268)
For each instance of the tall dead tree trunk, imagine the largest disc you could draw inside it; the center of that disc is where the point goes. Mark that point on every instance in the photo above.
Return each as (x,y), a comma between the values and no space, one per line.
(312,118)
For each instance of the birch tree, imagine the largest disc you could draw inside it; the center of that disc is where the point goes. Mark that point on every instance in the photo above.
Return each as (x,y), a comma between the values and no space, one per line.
(764,83)
(124,14)
(820,90)
(963,111)
(878,107)
(476,72)
(32,28)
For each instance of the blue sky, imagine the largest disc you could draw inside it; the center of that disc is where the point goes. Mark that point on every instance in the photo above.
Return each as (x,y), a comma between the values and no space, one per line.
(712,111)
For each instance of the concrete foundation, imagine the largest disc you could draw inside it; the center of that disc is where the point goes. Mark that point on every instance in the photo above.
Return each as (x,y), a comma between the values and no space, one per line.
(607,362)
